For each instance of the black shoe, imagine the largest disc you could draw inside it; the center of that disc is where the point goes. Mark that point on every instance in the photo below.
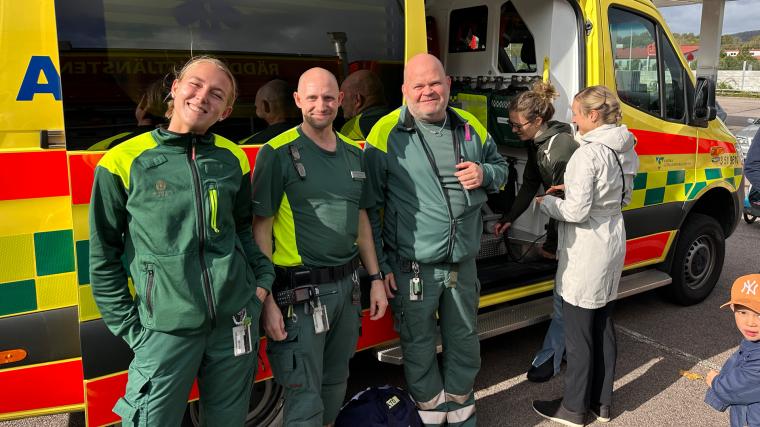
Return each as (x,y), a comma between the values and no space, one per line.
(543,372)
(555,411)
(601,412)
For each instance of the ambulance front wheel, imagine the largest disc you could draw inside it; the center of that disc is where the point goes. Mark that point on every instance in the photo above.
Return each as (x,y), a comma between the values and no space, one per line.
(264,409)
(698,259)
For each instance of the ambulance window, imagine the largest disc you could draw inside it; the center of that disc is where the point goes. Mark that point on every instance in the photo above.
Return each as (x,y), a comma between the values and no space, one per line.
(517,51)
(117,57)
(674,76)
(467,29)
(634,51)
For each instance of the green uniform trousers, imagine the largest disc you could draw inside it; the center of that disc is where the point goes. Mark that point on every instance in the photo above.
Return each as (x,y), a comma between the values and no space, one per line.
(443,396)
(313,368)
(165,365)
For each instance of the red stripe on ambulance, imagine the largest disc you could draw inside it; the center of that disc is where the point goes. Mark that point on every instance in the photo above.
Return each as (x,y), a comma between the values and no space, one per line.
(650,143)
(646,248)
(82,176)
(43,386)
(33,174)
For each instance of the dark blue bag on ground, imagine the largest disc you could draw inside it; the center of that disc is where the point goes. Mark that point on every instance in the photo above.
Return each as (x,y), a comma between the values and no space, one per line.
(754,197)
(384,406)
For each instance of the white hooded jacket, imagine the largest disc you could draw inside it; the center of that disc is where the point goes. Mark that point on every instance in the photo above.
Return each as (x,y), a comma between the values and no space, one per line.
(591,245)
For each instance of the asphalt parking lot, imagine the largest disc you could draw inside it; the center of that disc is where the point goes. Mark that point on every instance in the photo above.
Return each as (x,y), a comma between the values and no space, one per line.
(739,110)
(656,341)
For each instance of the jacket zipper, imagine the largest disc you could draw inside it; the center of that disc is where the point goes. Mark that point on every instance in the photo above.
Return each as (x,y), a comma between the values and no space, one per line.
(452,222)
(201,232)
(149,290)
(213,203)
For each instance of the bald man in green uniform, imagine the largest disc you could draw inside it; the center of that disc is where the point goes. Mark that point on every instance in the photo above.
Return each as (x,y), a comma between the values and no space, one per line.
(309,198)
(429,169)
(363,103)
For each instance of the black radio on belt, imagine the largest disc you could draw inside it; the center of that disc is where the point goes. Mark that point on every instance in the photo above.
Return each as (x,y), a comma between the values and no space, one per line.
(287,297)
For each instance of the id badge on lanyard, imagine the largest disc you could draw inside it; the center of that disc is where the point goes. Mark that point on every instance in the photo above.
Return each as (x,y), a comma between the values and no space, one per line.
(241,333)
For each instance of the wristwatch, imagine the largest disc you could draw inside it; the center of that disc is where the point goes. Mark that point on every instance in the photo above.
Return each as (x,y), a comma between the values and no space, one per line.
(377,276)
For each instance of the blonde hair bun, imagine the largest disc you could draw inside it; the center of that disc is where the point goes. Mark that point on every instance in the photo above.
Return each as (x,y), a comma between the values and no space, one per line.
(545,90)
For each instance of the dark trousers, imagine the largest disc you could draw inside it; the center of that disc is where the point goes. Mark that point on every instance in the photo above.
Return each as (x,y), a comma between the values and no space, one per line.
(552,236)
(591,352)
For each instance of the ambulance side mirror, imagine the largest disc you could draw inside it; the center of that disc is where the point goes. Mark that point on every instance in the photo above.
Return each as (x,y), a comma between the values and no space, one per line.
(704,102)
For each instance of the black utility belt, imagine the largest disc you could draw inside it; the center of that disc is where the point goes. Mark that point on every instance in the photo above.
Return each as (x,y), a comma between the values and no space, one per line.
(293,277)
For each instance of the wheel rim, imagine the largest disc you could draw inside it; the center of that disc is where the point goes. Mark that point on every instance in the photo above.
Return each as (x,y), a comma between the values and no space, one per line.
(700,262)
(265,403)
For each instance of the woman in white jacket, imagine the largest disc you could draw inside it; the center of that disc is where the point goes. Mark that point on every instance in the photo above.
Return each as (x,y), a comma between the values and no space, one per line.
(591,250)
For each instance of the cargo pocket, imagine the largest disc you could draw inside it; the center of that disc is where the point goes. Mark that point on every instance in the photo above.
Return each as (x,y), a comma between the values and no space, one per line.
(132,408)
(289,369)
(397,310)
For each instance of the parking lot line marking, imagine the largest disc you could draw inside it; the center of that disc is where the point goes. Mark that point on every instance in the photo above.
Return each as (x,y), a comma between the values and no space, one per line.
(667,349)
(499,387)
(636,373)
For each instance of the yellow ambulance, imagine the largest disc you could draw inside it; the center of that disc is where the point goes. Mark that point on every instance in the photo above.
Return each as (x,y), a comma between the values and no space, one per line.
(75,76)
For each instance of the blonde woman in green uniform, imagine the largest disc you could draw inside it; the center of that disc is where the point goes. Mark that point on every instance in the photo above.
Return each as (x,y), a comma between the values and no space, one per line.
(175,205)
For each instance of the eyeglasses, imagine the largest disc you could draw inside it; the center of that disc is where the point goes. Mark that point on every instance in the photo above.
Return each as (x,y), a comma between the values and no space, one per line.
(518,126)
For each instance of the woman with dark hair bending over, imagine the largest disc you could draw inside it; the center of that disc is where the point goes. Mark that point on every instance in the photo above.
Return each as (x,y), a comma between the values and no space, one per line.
(549,144)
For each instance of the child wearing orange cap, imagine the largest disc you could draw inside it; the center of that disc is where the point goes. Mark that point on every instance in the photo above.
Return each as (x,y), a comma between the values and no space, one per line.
(737,385)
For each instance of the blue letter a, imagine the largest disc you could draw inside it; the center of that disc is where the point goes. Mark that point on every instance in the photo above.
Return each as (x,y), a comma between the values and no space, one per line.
(31,86)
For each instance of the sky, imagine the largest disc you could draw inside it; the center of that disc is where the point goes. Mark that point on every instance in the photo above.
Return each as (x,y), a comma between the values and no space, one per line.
(738,16)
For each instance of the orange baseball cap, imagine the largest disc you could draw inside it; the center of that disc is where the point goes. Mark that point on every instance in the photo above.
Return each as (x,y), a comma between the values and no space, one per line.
(746,292)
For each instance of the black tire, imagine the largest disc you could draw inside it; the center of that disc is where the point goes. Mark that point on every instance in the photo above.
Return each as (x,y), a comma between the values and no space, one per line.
(264,409)
(698,259)
(76,419)
(749,219)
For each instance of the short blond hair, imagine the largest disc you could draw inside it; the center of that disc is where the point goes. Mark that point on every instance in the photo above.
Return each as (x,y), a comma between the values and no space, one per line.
(601,99)
(179,75)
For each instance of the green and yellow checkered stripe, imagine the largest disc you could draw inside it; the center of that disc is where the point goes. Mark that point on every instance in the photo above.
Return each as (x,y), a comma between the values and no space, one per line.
(707,176)
(37,272)
(656,187)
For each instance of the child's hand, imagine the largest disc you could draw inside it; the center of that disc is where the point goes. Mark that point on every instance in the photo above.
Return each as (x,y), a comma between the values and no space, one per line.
(710,376)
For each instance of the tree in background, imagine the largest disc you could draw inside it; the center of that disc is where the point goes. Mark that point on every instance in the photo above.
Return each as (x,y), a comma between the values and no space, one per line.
(737,62)
(754,42)
(686,38)
(730,42)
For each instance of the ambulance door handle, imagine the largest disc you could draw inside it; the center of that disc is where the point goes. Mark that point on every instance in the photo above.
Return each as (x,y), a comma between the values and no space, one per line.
(52,139)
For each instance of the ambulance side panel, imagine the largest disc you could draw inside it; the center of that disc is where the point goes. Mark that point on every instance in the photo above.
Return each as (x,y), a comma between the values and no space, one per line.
(40,359)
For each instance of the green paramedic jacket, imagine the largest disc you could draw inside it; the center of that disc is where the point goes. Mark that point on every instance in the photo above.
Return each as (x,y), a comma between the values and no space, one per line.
(416,220)
(176,211)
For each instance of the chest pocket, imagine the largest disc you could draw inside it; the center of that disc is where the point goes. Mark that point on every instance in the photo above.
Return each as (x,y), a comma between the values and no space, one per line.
(220,185)
(159,183)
